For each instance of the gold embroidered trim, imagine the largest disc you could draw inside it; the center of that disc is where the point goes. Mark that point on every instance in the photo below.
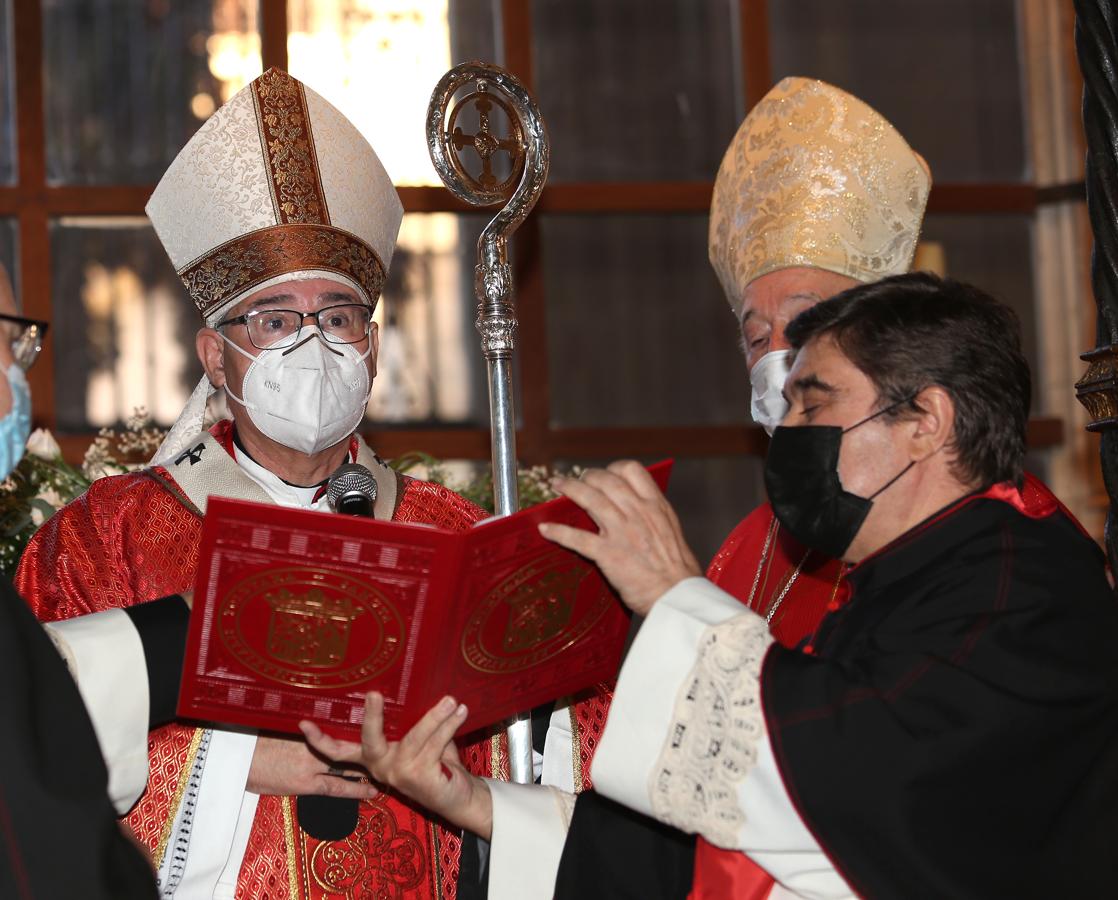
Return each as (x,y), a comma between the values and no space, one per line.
(291,847)
(173,489)
(244,262)
(180,789)
(576,750)
(495,756)
(285,136)
(436,862)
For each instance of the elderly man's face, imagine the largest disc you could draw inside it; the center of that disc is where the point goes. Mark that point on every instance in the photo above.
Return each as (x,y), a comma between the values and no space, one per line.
(770,302)
(226,367)
(304,296)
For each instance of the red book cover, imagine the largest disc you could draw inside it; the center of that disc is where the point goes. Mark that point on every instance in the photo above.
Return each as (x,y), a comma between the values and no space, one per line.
(297,614)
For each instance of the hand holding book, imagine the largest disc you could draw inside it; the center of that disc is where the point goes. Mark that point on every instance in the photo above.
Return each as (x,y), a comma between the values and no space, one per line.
(298,614)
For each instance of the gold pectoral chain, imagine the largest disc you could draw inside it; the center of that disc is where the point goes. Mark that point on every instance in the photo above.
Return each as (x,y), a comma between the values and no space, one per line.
(781,592)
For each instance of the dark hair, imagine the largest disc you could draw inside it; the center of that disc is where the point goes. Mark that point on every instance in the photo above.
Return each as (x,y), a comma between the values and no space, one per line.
(910,332)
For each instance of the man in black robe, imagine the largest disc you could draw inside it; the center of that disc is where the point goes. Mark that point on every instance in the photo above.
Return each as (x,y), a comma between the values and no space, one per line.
(952,729)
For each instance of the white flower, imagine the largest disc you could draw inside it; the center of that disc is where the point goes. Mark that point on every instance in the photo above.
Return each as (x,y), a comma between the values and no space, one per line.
(42,444)
(51,496)
(37,517)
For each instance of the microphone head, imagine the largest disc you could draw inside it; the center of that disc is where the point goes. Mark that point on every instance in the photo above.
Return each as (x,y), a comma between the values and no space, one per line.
(351,478)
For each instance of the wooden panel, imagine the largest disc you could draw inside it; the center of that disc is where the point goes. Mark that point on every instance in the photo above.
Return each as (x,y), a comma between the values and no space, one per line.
(273,34)
(571,197)
(34,238)
(516,40)
(982,198)
(636,196)
(1070,192)
(592,443)
(535,389)
(1045,432)
(27,39)
(612,443)
(753,18)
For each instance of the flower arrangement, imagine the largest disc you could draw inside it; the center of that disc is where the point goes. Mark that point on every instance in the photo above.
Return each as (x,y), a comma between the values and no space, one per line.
(534,483)
(44,482)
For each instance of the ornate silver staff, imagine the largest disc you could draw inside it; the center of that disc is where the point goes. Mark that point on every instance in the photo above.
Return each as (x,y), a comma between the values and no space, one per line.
(528,152)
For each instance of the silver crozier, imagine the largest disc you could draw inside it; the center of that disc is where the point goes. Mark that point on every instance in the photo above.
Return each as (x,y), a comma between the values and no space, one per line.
(527,149)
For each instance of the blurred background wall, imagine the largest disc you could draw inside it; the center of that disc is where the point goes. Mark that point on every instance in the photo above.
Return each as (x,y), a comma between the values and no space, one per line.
(626,345)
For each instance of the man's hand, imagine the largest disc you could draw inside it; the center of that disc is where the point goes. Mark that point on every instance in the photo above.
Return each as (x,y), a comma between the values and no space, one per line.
(423,765)
(639,545)
(288,766)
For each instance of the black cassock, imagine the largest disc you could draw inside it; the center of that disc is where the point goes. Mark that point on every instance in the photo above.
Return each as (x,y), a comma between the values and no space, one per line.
(59,836)
(951,732)
(956,732)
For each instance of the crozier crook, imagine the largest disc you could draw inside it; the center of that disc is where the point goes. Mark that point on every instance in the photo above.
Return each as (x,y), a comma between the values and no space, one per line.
(528,150)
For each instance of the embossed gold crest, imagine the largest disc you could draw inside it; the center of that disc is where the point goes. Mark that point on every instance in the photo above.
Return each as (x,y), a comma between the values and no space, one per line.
(310,627)
(532,615)
(539,611)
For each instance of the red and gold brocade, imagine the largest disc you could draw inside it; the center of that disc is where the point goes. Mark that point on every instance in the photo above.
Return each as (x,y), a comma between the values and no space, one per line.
(133,538)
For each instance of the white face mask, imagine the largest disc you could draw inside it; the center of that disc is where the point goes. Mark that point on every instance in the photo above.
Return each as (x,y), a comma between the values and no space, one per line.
(307,397)
(768,405)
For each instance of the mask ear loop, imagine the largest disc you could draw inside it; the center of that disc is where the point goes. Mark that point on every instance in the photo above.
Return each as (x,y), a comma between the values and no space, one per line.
(891,481)
(868,418)
(882,411)
(248,356)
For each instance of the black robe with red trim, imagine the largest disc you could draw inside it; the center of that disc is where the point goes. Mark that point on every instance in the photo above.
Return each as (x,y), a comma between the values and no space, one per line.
(954,730)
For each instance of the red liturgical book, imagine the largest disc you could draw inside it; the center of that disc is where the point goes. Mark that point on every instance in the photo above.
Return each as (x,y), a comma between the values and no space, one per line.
(297,614)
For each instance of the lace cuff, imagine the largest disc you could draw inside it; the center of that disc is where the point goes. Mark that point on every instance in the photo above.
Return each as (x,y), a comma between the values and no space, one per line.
(715,728)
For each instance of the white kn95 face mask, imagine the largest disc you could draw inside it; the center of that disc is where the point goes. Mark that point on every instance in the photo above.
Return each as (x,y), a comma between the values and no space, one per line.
(768,406)
(306,397)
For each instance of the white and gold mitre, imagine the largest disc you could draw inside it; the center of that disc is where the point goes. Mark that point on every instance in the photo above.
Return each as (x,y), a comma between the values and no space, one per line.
(815,177)
(277,184)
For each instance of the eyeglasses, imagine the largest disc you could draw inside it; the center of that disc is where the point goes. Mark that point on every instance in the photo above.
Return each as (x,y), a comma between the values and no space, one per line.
(273,329)
(26,336)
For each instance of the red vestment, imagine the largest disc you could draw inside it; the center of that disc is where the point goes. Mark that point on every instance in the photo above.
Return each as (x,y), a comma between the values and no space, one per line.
(811,584)
(133,538)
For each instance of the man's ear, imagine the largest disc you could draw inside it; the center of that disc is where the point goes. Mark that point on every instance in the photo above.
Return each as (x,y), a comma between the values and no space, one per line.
(374,347)
(211,351)
(934,426)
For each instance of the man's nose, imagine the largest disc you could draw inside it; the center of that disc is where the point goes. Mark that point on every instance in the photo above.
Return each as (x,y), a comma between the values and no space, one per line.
(777,340)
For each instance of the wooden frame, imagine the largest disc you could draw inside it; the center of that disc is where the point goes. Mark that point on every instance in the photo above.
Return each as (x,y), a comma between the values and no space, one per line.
(33,203)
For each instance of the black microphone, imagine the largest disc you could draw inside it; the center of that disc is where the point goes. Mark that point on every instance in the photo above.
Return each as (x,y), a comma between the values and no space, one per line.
(352,491)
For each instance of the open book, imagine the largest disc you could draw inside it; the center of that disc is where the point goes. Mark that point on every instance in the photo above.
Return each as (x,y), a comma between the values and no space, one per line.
(297,614)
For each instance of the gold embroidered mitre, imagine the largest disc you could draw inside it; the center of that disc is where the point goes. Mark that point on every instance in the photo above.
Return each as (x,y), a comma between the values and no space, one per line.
(276,185)
(815,177)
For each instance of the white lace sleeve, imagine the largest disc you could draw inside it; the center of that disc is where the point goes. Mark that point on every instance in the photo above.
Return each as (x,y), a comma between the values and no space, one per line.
(686,741)
(714,732)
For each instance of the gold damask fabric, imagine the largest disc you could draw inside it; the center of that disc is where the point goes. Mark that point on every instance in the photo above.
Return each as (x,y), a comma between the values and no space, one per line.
(815,177)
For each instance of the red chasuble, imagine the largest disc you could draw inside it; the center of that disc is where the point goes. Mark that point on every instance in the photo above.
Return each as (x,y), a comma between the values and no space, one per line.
(132,538)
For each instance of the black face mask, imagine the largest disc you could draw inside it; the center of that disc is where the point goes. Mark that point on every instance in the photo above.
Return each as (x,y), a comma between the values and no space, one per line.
(807,497)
